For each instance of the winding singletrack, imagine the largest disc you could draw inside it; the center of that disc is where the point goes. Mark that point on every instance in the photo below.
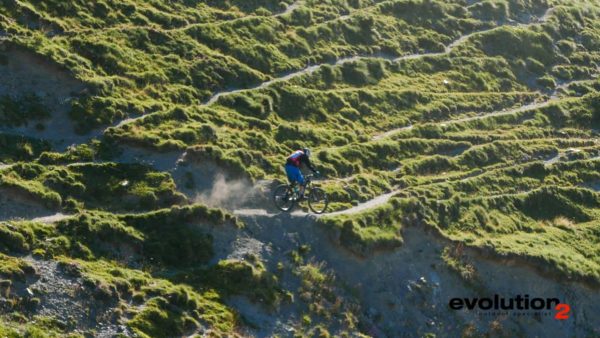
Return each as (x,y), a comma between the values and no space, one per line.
(384,198)
(313,68)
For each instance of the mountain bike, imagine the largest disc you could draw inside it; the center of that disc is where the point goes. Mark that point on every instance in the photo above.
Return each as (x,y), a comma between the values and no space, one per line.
(286,196)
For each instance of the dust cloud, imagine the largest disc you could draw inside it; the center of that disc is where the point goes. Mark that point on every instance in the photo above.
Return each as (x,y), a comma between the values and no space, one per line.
(227,194)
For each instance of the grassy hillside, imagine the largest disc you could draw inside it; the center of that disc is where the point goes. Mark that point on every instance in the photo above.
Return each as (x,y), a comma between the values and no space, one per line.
(479,118)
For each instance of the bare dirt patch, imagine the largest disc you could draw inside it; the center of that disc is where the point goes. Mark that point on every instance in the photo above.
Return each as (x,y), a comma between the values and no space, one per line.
(26,73)
(14,206)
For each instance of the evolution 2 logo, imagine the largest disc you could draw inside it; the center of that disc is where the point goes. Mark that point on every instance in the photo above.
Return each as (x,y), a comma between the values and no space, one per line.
(518,305)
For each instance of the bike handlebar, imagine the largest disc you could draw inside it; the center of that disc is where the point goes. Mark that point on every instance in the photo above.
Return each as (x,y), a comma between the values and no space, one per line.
(311,176)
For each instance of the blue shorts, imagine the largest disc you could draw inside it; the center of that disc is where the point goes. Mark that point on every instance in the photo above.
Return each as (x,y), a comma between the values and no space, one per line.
(294,174)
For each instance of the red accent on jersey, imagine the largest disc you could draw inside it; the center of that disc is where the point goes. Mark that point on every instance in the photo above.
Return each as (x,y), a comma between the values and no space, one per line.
(295,157)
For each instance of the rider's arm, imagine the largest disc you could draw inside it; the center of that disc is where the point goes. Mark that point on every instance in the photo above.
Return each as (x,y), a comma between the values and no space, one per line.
(306,161)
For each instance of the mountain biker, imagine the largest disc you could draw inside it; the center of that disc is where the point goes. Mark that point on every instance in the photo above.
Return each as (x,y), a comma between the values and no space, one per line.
(292,169)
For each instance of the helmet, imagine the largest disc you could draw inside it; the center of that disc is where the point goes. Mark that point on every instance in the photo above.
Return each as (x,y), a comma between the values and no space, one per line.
(306,151)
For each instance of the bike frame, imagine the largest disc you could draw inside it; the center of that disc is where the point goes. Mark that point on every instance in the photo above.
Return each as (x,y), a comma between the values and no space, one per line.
(308,180)
(290,195)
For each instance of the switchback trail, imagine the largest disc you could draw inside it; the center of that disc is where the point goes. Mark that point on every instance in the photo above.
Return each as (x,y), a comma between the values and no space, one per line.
(170,161)
(312,68)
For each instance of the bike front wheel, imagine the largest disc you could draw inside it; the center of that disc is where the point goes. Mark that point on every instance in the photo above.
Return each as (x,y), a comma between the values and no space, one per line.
(283,196)
(317,200)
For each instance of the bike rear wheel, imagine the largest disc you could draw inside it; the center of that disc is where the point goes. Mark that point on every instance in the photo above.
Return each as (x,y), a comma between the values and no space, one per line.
(283,196)
(317,200)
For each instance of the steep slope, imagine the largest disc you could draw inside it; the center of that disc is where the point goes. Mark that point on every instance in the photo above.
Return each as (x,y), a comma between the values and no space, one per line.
(458,140)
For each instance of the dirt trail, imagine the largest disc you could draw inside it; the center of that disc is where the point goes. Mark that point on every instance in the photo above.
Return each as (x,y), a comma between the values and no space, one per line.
(370,204)
(565,85)
(52,218)
(550,161)
(530,106)
(292,7)
(283,78)
(449,48)
(391,132)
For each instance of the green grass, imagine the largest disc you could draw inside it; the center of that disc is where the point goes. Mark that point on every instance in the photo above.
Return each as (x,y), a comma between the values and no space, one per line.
(100,247)
(116,187)
(479,181)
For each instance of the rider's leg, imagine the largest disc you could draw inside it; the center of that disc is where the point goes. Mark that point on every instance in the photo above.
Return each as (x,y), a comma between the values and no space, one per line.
(302,183)
(295,177)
